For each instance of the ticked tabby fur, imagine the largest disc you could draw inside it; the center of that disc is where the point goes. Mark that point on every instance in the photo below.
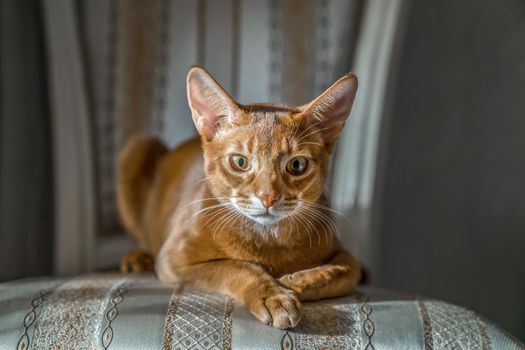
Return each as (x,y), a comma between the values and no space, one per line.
(241,210)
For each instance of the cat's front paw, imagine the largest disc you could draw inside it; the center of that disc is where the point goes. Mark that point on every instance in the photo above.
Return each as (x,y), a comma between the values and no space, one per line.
(313,278)
(278,307)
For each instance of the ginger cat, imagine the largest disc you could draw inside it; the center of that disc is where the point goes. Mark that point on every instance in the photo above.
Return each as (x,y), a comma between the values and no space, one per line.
(241,210)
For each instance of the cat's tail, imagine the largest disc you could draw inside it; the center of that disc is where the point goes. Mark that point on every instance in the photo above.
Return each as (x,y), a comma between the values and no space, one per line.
(137,165)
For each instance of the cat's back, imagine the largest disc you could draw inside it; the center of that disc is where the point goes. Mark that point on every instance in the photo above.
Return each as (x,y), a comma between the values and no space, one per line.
(182,159)
(178,174)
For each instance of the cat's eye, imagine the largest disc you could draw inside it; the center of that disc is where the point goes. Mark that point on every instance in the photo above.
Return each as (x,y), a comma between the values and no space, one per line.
(239,162)
(296,165)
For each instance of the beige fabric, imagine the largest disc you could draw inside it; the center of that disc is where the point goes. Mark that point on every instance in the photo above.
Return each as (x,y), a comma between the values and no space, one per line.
(111,311)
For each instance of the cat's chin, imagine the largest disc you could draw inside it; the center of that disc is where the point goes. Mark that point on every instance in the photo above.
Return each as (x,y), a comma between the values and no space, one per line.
(265,219)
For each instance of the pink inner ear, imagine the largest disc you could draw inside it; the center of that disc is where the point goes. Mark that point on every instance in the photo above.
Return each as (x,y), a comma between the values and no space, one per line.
(204,117)
(333,107)
(208,102)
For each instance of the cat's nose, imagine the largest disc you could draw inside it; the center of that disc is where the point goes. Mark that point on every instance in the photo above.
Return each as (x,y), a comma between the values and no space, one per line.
(268,198)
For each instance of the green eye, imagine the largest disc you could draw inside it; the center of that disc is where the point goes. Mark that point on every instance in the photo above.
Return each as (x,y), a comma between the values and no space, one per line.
(239,162)
(297,165)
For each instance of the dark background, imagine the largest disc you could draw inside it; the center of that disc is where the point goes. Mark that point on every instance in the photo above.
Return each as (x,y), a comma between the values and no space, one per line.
(451,210)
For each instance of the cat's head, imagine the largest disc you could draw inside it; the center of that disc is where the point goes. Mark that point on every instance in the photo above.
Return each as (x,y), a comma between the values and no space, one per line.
(267,161)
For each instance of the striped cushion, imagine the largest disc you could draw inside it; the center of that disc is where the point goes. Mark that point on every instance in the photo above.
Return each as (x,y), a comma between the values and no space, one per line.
(110,311)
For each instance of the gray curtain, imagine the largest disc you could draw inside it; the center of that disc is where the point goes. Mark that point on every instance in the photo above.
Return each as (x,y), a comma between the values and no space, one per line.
(451,218)
(26,196)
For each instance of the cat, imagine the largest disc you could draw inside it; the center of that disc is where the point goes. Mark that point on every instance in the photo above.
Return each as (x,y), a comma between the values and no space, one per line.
(240,209)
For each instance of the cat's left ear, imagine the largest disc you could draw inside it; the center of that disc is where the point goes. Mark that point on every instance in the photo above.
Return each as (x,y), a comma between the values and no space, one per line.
(209,102)
(332,107)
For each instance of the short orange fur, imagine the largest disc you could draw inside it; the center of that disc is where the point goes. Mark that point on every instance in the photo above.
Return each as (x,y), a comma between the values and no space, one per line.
(262,235)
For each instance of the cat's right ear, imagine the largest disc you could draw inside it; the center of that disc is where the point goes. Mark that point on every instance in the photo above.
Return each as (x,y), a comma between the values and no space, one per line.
(208,101)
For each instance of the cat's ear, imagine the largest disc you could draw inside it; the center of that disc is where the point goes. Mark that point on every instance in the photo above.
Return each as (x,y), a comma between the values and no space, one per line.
(208,101)
(332,107)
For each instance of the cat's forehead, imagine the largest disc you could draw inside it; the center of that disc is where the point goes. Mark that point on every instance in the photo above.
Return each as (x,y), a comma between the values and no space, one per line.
(269,117)
(268,132)
(261,109)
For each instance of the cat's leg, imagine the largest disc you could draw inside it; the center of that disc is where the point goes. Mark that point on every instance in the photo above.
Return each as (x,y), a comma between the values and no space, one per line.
(336,278)
(137,261)
(246,282)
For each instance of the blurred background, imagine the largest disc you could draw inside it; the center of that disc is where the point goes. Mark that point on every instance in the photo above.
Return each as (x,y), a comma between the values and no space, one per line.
(429,173)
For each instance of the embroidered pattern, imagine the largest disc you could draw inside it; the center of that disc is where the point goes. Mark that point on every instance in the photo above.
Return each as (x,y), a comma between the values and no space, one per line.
(368,325)
(72,314)
(112,312)
(198,320)
(454,327)
(169,326)
(326,327)
(30,317)
(227,345)
(286,342)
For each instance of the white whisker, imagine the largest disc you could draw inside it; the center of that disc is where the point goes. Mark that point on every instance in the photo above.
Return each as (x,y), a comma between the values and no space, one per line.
(324,220)
(310,143)
(204,210)
(218,212)
(202,180)
(320,206)
(307,216)
(319,220)
(304,222)
(203,200)
(232,216)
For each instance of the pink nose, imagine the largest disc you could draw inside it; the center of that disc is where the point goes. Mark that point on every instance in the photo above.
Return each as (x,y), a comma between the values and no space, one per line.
(268,198)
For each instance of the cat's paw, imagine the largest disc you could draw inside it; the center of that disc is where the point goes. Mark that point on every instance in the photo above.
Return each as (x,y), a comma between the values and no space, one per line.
(301,281)
(136,261)
(278,307)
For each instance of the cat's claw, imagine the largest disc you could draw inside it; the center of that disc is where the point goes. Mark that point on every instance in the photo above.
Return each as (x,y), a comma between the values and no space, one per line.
(282,309)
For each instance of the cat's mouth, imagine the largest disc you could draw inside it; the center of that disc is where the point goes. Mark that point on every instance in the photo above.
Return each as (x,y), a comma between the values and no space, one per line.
(263,215)
(267,217)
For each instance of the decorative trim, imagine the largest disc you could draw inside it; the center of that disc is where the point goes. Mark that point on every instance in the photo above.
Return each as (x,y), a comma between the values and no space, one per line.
(24,342)
(326,327)
(455,327)
(427,326)
(227,345)
(368,324)
(197,319)
(73,312)
(287,342)
(112,313)
(169,326)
